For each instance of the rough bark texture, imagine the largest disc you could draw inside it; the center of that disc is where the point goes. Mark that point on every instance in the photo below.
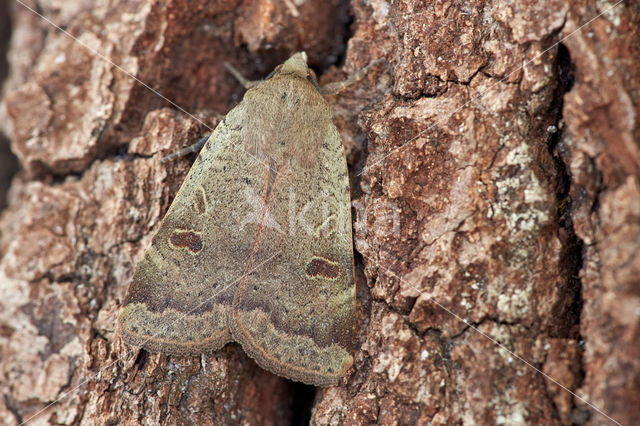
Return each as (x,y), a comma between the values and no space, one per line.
(496,185)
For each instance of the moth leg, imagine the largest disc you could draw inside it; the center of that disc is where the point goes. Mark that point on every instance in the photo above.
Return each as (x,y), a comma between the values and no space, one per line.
(196,147)
(335,87)
(247,84)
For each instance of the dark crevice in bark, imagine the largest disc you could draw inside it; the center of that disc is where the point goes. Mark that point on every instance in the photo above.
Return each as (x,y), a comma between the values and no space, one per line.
(8,168)
(141,359)
(14,407)
(347,34)
(44,173)
(5,36)
(8,161)
(302,403)
(572,256)
(573,250)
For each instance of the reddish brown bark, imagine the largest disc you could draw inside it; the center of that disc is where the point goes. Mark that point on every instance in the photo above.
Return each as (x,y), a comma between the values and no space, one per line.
(495,163)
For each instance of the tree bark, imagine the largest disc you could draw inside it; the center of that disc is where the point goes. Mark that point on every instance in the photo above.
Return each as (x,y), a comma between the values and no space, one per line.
(495,170)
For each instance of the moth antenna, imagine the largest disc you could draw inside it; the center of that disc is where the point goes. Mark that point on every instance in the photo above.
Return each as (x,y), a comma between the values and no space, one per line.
(247,84)
(292,8)
(335,87)
(196,147)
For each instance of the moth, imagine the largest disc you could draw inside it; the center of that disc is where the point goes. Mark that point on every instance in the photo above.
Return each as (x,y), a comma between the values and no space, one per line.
(256,247)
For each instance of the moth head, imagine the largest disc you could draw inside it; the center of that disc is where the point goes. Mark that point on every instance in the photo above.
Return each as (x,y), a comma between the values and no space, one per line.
(297,65)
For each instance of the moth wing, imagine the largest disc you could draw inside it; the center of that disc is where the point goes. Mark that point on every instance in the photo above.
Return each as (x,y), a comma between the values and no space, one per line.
(295,316)
(181,293)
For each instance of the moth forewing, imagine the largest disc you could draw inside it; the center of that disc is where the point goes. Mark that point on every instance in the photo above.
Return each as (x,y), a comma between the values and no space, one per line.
(229,263)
